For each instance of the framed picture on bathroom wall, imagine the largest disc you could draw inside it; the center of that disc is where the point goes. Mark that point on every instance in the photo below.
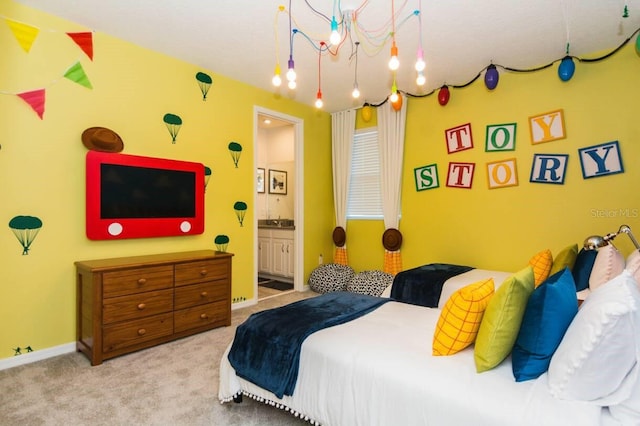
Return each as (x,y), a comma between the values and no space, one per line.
(277,182)
(260,180)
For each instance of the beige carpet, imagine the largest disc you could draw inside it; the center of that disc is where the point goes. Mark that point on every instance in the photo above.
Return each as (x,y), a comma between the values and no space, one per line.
(172,384)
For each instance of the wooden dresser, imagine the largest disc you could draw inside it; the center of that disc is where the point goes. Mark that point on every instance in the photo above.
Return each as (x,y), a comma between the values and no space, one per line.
(130,303)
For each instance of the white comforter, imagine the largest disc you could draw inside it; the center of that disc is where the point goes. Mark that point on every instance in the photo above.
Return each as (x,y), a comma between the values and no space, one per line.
(378,370)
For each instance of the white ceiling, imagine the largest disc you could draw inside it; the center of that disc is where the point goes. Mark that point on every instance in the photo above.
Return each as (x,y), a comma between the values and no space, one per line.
(236,38)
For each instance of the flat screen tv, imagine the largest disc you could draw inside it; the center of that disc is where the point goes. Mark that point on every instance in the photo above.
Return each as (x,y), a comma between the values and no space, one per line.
(130,196)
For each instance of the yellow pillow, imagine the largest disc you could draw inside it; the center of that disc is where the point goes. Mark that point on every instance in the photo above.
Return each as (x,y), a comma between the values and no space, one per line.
(565,259)
(461,317)
(541,264)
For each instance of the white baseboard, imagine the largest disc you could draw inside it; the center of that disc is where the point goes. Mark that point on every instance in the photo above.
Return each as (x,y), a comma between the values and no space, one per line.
(34,356)
(243,304)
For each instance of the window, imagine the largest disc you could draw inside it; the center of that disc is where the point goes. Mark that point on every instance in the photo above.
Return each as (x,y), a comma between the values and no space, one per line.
(365,201)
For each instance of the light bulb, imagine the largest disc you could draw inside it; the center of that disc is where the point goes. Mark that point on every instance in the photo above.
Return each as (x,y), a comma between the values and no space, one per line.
(291,72)
(420,65)
(276,80)
(394,63)
(394,97)
(319,99)
(421,80)
(334,38)
(356,92)
(292,84)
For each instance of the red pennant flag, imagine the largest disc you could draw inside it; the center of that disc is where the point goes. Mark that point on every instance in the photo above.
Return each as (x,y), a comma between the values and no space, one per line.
(35,99)
(85,41)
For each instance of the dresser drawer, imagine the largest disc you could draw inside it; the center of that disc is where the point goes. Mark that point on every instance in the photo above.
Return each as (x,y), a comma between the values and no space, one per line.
(129,281)
(200,294)
(136,306)
(211,314)
(130,333)
(196,272)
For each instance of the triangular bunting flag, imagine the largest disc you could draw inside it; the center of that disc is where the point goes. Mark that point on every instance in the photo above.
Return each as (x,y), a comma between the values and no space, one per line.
(76,74)
(35,99)
(25,34)
(85,41)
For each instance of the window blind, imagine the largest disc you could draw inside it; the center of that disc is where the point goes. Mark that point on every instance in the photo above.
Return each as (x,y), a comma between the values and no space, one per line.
(364,201)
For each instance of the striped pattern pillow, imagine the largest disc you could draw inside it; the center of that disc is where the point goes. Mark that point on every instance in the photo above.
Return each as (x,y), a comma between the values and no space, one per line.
(461,316)
(541,264)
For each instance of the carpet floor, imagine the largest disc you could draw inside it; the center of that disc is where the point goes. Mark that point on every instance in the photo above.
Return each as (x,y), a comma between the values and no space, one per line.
(171,384)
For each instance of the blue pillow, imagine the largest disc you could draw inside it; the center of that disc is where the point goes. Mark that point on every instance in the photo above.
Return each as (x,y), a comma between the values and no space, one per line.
(582,268)
(550,309)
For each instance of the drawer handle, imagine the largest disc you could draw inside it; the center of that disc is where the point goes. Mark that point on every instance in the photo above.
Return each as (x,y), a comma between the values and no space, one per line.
(204,316)
(203,272)
(142,306)
(142,332)
(203,294)
(142,281)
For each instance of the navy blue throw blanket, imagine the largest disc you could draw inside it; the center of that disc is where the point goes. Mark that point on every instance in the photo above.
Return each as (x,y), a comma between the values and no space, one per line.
(266,348)
(423,285)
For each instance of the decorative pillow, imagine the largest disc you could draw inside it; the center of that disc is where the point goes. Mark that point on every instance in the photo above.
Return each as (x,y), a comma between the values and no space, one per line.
(541,264)
(502,319)
(633,265)
(330,277)
(600,347)
(461,317)
(609,264)
(565,259)
(582,268)
(372,283)
(549,312)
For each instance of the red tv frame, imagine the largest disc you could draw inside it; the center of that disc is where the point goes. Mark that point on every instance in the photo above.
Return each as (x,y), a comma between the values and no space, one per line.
(129,196)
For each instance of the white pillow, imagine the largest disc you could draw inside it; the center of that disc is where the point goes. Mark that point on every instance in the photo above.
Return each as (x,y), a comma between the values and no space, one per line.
(596,358)
(633,265)
(608,264)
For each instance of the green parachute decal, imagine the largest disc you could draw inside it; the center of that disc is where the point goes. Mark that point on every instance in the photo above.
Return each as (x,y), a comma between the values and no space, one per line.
(174,123)
(25,228)
(204,81)
(221,242)
(241,209)
(235,149)
(207,176)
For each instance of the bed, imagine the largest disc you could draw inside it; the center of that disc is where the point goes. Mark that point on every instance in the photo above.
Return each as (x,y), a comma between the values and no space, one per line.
(378,370)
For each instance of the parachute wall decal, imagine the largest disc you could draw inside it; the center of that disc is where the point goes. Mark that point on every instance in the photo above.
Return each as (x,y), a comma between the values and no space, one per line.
(241,209)
(221,242)
(25,228)
(207,176)
(235,149)
(173,123)
(204,81)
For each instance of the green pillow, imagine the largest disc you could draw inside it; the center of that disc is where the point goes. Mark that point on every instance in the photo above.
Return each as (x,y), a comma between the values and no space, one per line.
(565,259)
(502,318)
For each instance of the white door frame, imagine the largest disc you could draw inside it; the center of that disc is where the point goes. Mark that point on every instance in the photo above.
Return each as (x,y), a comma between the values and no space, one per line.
(298,207)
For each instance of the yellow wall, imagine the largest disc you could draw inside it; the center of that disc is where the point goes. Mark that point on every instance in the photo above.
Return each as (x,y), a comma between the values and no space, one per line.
(42,165)
(503,228)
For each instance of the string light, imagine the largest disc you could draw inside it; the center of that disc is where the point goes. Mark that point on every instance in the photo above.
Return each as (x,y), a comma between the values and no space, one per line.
(319,102)
(394,62)
(356,91)
(291,68)
(277,80)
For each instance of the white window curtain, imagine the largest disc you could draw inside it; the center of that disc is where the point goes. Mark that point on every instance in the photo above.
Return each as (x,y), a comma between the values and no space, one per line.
(391,129)
(343,125)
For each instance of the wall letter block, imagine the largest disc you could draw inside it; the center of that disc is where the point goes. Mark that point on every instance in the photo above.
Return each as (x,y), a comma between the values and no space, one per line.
(503,173)
(459,138)
(460,175)
(426,177)
(547,127)
(501,137)
(601,160)
(549,168)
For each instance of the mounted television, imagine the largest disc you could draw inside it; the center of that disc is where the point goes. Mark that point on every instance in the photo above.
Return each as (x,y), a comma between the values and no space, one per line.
(129,196)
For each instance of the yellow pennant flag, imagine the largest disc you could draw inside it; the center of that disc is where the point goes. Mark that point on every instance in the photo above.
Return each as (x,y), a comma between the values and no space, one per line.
(25,34)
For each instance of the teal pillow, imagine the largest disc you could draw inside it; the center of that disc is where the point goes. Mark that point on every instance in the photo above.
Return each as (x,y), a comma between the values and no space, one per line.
(582,268)
(550,309)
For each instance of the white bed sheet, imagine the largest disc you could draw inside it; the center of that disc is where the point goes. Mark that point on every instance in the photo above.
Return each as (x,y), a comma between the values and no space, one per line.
(378,370)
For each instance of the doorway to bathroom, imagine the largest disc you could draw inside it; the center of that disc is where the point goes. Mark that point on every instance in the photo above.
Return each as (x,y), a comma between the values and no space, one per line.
(278,203)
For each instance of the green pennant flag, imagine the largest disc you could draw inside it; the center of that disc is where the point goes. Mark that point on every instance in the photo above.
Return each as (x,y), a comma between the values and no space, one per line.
(76,74)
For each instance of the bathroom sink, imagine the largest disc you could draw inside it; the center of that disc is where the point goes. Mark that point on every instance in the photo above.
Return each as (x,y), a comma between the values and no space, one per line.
(276,223)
